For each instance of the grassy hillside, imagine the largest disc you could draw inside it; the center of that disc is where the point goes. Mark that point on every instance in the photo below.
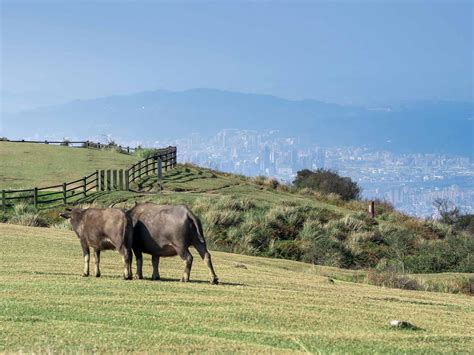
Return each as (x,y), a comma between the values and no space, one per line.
(25,165)
(262,218)
(264,305)
(259,217)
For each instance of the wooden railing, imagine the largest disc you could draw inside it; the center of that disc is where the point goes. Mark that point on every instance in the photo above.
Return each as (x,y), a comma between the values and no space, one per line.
(100,180)
(81,144)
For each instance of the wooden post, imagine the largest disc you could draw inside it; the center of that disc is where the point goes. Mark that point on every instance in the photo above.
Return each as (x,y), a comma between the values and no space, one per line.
(84,186)
(97,181)
(35,197)
(121,179)
(108,180)
(102,180)
(159,172)
(114,179)
(372,209)
(4,201)
(146,167)
(64,194)
(139,169)
(126,179)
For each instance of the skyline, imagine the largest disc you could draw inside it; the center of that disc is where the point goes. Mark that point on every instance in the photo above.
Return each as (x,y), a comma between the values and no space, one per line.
(375,54)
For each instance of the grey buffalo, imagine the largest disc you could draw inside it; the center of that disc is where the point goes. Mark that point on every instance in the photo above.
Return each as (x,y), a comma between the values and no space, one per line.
(103,229)
(162,231)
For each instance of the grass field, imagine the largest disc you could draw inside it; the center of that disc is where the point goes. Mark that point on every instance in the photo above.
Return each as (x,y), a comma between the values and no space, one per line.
(26,165)
(261,305)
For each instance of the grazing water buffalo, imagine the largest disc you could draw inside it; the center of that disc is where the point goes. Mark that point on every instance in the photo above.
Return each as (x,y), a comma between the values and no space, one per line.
(103,229)
(162,231)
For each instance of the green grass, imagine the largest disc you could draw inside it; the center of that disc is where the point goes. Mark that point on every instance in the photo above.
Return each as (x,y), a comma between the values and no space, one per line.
(26,165)
(261,305)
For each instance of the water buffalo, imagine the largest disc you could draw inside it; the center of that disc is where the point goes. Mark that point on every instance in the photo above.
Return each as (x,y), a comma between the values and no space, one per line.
(103,229)
(163,230)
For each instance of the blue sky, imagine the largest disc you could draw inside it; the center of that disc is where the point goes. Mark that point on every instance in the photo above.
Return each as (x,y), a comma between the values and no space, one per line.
(359,52)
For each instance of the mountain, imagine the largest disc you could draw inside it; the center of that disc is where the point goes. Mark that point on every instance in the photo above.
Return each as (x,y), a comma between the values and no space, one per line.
(434,127)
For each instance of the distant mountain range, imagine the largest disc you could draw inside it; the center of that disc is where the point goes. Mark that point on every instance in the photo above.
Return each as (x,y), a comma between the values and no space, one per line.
(425,127)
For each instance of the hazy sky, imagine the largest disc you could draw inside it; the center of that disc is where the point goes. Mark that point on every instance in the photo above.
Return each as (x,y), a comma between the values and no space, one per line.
(364,52)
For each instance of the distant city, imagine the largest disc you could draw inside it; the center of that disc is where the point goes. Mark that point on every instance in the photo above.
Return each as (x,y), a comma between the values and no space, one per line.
(411,182)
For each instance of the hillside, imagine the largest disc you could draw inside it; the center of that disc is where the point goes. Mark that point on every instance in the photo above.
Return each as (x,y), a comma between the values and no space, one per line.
(25,165)
(258,216)
(261,305)
(425,127)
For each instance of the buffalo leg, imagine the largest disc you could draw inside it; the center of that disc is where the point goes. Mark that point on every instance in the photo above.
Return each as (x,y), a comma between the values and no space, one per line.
(139,257)
(86,254)
(127,263)
(188,262)
(155,261)
(202,250)
(97,262)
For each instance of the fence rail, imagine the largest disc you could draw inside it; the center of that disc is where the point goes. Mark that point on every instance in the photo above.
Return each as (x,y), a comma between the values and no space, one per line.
(82,144)
(100,180)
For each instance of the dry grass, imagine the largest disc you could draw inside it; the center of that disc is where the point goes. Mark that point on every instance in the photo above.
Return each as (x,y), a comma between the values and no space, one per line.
(262,305)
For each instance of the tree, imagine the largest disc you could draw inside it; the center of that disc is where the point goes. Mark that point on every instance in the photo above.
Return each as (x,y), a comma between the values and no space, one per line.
(448,212)
(328,181)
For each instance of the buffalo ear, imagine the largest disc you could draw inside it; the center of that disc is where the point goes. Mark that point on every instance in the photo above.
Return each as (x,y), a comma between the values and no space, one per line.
(65,215)
(69,209)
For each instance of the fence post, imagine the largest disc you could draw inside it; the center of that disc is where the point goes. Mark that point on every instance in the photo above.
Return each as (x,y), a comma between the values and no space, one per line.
(97,187)
(372,209)
(4,201)
(126,179)
(121,179)
(84,186)
(108,180)
(35,197)
(64,194)
(139,169)
(102,180)
(114,179)
(159,172)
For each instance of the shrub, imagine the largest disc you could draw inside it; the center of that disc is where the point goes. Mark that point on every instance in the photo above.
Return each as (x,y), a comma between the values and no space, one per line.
(26,215)
(259,180)
(144,153)
(392,280)
(285,249)
(223,218)
(327,182)
(460,284)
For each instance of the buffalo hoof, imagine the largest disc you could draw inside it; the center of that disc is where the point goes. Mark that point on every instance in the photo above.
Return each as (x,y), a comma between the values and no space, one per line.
(215,281)
(155,278)
(97,275)
(139,277)
(85,275)
(129,277)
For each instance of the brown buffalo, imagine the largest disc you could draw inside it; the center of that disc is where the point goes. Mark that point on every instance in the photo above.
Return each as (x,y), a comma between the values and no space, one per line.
(103,229)
(163,230)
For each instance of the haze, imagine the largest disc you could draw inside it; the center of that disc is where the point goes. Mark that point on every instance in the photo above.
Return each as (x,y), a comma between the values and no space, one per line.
(365,53)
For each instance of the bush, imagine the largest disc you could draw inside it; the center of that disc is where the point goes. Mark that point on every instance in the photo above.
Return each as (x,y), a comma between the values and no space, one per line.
(144,153)
(26,215)
(392,280)
(327,182)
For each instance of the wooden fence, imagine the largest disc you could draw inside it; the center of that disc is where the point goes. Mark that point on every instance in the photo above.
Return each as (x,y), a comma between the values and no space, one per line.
(99,181)
(77,144)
